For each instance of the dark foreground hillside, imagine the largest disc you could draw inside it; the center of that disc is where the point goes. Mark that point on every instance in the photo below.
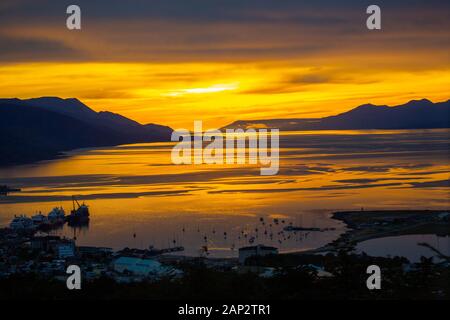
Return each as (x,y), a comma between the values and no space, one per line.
(292,280)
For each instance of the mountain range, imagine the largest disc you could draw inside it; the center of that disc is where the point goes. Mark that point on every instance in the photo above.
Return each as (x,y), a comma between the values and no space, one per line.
(416,114)
(42,128)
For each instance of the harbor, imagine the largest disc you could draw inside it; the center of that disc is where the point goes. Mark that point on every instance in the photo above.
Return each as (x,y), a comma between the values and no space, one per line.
(34,245)
(262,231)
(56,218)
(131,223)
(37,249)
(31,245)
(140,199)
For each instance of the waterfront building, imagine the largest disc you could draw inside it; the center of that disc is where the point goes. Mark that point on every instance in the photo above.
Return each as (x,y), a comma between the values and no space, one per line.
(65,250)
(137,266)
(259,250)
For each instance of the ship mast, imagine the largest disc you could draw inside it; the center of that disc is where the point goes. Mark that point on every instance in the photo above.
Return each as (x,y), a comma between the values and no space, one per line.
(75,201)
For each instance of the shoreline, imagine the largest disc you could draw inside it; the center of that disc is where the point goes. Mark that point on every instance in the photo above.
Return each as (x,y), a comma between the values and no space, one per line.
(369,225)
(362,226)
(356,234)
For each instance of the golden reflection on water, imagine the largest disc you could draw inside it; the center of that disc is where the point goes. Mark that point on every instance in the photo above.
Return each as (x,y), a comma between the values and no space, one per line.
(136,189)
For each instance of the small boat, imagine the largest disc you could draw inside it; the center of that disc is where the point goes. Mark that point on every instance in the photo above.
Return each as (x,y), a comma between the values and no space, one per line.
(22,222)
(39,219)
(294,228)
(57,215)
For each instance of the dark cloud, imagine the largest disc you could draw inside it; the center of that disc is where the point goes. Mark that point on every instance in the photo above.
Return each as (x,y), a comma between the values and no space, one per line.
(228,10)
(432,184)
(201,30)
(386,168)
(298,83)
(322,188)
(117,195)
(422,173)
(36,49)
(311,78)
(73,182)
(372,180)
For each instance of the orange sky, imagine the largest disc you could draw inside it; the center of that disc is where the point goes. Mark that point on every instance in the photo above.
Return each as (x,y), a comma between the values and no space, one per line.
(260,59)
(178,94)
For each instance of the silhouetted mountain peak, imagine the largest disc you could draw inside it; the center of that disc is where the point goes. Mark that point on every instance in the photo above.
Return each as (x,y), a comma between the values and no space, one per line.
(76,102)
(54,101)
(362,109)
(366,105)
(415,114)
(424,100)
(71,106)
(418,103)
(44,99)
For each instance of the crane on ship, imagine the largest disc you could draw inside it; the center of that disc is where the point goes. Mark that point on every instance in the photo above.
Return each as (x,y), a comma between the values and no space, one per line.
(79,214)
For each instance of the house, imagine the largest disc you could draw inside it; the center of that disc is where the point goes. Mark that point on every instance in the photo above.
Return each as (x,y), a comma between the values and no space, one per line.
(137,266)
(94,250)
(259,250)
(44,242)
(65,250)
(321,273)
(444,216)
(263,272)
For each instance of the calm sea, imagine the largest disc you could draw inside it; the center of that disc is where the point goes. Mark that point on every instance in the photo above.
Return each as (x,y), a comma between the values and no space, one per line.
(138,198)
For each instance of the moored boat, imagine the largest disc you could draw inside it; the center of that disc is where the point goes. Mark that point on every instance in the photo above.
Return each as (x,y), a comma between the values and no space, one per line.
(22,222)
(79,214)
(39,219)
(57,215)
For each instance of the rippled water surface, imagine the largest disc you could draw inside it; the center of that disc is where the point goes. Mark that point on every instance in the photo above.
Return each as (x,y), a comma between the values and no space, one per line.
(138,198)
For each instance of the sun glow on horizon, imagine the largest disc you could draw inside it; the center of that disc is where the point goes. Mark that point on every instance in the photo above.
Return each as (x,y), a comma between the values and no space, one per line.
(210,89)
(176,94)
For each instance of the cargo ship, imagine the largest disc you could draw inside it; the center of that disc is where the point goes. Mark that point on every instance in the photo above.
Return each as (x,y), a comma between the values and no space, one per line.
(79,213)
